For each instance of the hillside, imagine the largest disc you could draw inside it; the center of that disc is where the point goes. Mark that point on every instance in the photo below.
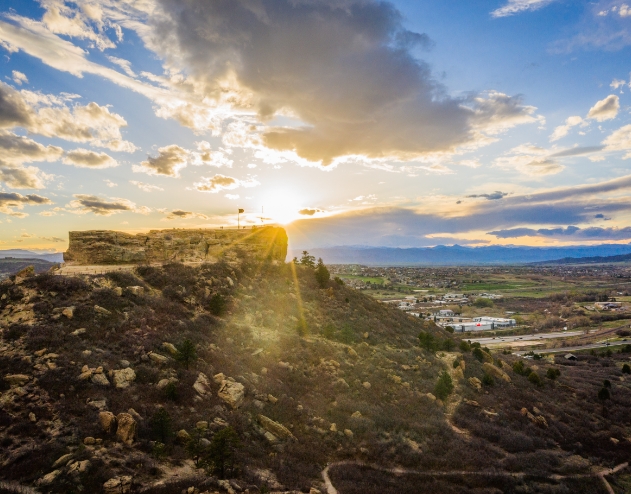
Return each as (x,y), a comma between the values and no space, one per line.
(589,260)
(457,255)
(27,254)
(12,266)
(103,392)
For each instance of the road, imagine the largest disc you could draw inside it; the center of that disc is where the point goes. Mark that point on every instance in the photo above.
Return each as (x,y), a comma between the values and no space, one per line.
(572,348)
(525,337)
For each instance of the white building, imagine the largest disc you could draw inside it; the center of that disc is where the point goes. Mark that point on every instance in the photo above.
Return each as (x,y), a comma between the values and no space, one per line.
(484,324)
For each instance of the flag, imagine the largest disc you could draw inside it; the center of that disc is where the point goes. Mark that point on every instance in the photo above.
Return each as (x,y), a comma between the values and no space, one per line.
(241,210)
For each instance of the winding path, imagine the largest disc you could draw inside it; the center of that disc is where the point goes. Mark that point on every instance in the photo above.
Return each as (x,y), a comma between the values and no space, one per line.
(330,488)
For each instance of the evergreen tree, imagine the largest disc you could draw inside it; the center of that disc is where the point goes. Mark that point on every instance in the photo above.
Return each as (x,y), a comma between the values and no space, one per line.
(444,386)
(322,274)
(307,259)
(186,352)
(219,457)
(161,425)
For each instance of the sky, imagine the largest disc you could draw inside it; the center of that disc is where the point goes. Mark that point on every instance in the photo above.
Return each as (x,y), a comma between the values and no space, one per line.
(402,123)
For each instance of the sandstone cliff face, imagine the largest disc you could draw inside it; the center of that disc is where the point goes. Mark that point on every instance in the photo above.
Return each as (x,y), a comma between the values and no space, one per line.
(110,247)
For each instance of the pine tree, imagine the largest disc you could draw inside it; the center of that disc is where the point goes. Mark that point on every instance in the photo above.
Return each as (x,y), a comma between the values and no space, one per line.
(322,274)
(186,352)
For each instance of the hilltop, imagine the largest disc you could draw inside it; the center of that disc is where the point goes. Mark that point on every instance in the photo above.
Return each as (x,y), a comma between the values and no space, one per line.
(250,367)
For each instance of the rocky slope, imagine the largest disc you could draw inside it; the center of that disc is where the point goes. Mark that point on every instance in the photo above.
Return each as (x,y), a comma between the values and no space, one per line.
(246,376)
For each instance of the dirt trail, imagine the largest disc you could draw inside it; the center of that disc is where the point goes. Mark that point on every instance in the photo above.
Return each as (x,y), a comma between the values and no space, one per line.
(330,488)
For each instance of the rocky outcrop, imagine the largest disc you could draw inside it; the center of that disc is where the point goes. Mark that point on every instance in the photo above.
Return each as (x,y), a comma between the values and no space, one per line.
(195,245)
(278,430)
(496,372)
(126,431)
(118,485)
(475,383)
(123,378)
(231,392)
(107,421)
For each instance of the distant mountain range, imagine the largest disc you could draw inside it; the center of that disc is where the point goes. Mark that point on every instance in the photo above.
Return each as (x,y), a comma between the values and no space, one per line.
(457,255)
(27,254)
(588,260)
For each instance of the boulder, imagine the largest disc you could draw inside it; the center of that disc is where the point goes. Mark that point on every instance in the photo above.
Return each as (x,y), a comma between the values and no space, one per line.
(17,379)
(201,385)
(68,312)
(62,460)
(163,383)
(272,399)
(118,485)
(107,421)
(218,378)
(89,441)
(99,379)
(170,348)
(182,436)
(126,431)
(135,290)
(49,478)
(356,415)
(232,393)
(366,385)
(123,377)
(102,310)
(475,383)
(78,332)
(458,374)
(275,428)
(348,433)
(157,358)
(496,372)
(118,291)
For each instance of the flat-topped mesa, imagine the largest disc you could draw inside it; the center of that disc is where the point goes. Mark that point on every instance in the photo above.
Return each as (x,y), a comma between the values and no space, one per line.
(94,247)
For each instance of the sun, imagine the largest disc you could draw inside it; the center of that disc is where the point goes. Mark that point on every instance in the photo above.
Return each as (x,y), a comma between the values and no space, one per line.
(281,207)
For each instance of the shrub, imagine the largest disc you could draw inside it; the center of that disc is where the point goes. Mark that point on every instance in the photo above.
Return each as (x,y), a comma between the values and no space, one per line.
(347,335)
(488,380)
(444,386)
(483,303)
(171,392)
(626,369)
(338,280)
(426,341)
(186,352)
(322,274)
(328,331)
(161,425)
(448,345)
(449,329)
(456,363)
(478,354)
(534,378)
(464,346)
(217,304)
(553,373)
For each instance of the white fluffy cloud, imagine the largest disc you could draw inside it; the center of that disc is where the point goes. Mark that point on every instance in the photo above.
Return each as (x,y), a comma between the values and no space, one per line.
(563,130)
(530,160)
(178,214)
(9,202)
(15,151)
(170,160)
(605,109)
(619,140)
(19,78)
(84,158)
(219,182)
(145,187)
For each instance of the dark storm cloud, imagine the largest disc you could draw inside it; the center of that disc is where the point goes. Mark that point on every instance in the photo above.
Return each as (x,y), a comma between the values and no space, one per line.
(490,197)
(345,68)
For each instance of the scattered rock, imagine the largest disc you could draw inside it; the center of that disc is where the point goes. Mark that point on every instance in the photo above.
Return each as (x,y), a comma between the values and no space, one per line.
(201,385)
(32,417)
(614,440)
(163,383)
(471,403)
(135,290)
(202,425)
(102,310)
(157,358)
(275,428)
(98,404)
(348,433)
(118,291)
(458,374)
(89,441)
(333,427)
(182,436)
(123,377)
(79,332)
(17,379)
(218,378)
(107,421)
(126,430)
(475,383)
(62,460)
(68,312)
(366,385)
(49,478)
(356,415)
(170,348)
(118,485)
(99,379)
(232,393)
(124,363)
(431,396)
(272,399)
(134,414)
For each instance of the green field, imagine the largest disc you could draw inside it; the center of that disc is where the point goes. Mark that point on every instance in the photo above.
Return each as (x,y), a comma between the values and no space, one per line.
(365,279)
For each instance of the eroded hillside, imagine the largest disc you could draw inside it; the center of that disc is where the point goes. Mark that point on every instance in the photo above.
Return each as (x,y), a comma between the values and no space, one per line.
(243,376)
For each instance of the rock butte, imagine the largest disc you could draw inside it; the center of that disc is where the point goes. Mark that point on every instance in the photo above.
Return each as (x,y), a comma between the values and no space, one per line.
(94,247)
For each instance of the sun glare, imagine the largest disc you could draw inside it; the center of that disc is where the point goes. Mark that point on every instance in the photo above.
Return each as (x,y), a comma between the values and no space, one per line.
(281,207)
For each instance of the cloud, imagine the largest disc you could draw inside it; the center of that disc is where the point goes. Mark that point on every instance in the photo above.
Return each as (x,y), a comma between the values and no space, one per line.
(222,182)
(26,235)
(178,214)
(529,160)
(309,212)
(123,64)
(19,78)
(491,197)
(52,239)
(563,130)
(206,156)
(345,70)
(84,203)
(145,187)
(577,151)
(84,158)
(9,201)
(617,83)
(605,109)
(619,140)
(590,233)
(14,152)
(49,116)
(513,7)
(170,160)
(233,197)
(109,183)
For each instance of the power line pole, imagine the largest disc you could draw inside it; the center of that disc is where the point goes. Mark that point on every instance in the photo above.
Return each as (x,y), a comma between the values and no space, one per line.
(239,211)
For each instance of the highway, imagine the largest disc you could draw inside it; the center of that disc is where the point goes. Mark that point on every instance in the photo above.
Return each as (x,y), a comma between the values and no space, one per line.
(525,337)
(571,348)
